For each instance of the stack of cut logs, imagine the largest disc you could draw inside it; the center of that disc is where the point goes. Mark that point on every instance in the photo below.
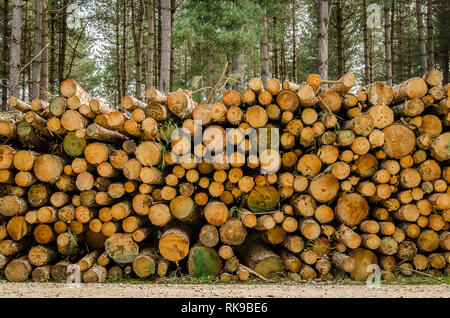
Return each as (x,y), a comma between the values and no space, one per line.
(360,177)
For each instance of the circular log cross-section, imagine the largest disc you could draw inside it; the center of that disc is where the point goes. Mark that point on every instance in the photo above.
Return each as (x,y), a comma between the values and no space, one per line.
(399,141)
(351,209)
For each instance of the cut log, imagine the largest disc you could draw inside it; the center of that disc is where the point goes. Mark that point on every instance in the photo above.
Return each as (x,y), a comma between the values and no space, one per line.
(259,258)
(351,209)
(174,242)
(362,258)
(324,188)
(204,262)
(121,248)
(233,232)
(18,270)
(145,263)
(399,141)
(180,104)
(380,93)
(412,88)
(19,105)
(130,102)
(48,168)
(41,274)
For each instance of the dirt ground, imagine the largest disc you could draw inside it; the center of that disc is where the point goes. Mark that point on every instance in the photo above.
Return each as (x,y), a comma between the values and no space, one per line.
(306,290)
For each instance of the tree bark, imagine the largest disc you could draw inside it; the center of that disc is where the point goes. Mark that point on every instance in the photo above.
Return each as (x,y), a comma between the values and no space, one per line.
(150,44)
(388,45)
(366,45)
(340,37)
(44,56)
(423,51)
(5,53)
(118,57)
(263,48)
(430,37)
(62,42)
(124,50)
(52,47)
(276,65)
(137,39)
(16,35)
(164,81)
(27,49)
(323,39)
(294,43)
(172,48)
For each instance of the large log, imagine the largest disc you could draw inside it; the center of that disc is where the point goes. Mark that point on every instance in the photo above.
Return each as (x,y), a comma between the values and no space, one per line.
(259,258)
(204,262)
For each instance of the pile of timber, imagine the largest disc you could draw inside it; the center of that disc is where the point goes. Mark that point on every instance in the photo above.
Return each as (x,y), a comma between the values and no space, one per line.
(360,177)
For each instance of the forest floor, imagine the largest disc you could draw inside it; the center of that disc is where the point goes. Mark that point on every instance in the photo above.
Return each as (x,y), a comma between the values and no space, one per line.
(402,288)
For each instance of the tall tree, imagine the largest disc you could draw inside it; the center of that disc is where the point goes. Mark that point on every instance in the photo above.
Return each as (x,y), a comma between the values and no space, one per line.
(118,57)
(44,60)
(5,36)
(400,32)
(62,41)
(323,38)
(294,42)
(430,38)
(340,37)
(442,31)
(150,43)
(388,44)
(16,33)
(137,29)
(366,44)
(392,37)
(423,51)
(276,63)
(37,54)
(263,47)
(166,29)
(52,46)
(124,50)
(173,7)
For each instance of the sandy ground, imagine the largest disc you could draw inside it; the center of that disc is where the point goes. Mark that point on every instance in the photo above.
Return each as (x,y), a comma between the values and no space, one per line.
(307,290)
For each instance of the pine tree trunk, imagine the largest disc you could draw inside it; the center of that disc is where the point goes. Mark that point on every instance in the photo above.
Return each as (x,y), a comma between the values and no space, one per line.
(423,51)
(294,43)
(388,45)
(16,34)
(276,65)
(150,44)
(62,42)
(137,39)
(400,33)
(44,56)
(430,38)
(124,50)
(392,37)
(323,39)
(340,37)
(164,80)
(158,46)
(366,45)
(5,37)
(52,47)
(263,48)
(118,57)
(172,48)
(238,67)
